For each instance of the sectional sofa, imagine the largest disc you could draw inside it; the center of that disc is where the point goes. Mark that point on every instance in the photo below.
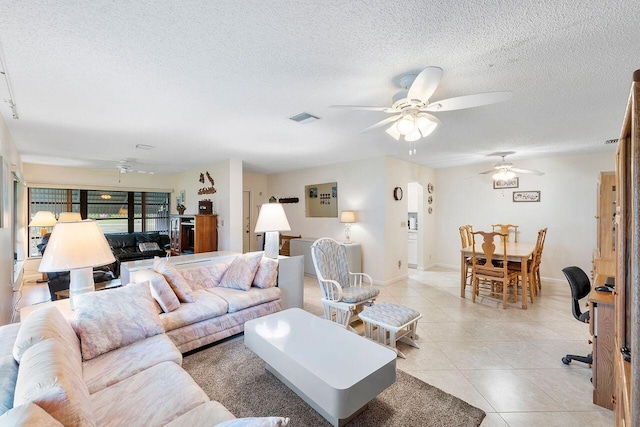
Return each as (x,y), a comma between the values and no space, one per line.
(116,359)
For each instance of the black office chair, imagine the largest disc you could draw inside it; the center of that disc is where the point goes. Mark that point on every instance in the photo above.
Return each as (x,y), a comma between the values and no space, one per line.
(580,288)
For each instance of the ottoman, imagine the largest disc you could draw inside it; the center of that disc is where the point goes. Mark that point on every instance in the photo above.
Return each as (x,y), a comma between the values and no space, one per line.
(388,323)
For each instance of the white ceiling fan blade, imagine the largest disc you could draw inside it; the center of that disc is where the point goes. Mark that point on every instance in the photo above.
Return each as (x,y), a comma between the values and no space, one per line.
(366,108)
(393,131)
(425,84)
(381,123)
(531,171)
(468,101)
(487,172)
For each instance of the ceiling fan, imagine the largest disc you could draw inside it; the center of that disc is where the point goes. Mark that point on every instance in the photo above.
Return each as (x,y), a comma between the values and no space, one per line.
(504,170)
(124,166)
(411,107)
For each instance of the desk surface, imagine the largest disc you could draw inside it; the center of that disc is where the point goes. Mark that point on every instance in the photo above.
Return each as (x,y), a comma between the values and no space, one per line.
(601,297)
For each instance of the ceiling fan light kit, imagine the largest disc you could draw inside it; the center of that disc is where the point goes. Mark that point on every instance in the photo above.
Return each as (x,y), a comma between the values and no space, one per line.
(505,171)
(411,120)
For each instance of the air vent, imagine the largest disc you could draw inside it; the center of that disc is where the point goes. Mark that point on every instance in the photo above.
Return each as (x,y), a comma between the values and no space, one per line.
(144,147)
(611,141)
(304,118)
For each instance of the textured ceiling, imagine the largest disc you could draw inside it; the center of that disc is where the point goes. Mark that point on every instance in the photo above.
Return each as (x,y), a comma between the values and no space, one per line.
(204,81)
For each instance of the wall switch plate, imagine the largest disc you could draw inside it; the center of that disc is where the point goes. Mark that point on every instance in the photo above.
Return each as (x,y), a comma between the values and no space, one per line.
(222,223)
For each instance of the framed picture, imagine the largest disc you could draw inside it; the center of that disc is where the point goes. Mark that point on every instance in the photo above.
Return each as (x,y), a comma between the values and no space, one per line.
(334,192)
(183,194)
(506,183)
(526,196)
(313,192)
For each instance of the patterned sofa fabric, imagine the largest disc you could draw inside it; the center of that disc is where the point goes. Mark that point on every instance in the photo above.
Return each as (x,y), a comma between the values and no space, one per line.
(239,300)
(210,414)
(124,362)
(154,397)
(205,306)
(8,366)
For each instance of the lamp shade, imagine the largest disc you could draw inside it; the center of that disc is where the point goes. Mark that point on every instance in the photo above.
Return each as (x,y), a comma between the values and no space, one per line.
(69,217)
(74,245)
(272,218)
(43,219)
(347,216)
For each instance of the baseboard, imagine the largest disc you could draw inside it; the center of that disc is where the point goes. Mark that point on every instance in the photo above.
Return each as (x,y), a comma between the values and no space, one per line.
(390,281)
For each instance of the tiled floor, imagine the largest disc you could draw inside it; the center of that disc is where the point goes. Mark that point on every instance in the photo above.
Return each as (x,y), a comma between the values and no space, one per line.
(504,361)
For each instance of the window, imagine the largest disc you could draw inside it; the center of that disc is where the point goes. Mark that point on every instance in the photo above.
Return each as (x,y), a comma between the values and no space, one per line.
(115,211)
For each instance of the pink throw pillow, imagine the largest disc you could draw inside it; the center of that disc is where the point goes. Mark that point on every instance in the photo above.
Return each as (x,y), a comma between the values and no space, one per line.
(241,272)
(160,289)
(175,279)
(267,274)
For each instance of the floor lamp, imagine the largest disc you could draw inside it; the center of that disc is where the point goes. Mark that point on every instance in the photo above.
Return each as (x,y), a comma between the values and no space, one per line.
(272,220)
(43,219)
(77,247)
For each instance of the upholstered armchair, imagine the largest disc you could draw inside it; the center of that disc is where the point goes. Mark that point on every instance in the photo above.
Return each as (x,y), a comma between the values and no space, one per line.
(344,294)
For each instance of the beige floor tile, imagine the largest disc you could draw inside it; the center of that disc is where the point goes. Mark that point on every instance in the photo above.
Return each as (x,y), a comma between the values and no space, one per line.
(510,391)
(524,355)
(447,331)
(428,356)
(493,420)
(538,419)
(472,355)
(567,387)
(453,382)
(599,418)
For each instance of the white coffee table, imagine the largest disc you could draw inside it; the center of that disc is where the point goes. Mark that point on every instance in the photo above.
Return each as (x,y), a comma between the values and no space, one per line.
(335,371)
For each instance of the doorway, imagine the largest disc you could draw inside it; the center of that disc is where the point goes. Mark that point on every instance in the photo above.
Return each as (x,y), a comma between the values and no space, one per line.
(415,222)
(246,221)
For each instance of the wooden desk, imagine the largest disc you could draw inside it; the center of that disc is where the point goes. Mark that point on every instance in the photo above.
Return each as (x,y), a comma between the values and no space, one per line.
(519,252)
(602,327)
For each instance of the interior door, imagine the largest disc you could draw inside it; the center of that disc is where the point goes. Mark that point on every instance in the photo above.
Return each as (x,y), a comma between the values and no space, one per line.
(246,216)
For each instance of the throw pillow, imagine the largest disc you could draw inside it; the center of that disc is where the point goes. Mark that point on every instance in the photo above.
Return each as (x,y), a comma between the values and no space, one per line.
(160,289)
(204,277)
(255,422)
(267,274)
(29,414)
(148,246)
(112,319)
(241,272)
(44,323)
(175,279)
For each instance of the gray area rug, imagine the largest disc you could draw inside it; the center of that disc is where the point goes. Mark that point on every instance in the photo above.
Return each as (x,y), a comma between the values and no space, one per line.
(234,376)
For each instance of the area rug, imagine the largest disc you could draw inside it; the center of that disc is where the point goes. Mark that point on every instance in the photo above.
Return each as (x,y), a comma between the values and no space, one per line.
(233,375)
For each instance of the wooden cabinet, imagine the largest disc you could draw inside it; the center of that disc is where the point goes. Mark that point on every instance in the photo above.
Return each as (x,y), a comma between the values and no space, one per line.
(193,234)
(602,327)
(604,257)
(626,395)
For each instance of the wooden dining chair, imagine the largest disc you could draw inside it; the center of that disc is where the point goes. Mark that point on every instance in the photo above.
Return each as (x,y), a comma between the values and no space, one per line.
(495,277)
(504,229)
(536,281)
(466,239)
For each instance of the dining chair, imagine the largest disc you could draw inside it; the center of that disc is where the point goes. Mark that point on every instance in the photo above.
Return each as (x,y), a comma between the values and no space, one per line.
(495,277)
(537,259)
(504,229)
(466,240)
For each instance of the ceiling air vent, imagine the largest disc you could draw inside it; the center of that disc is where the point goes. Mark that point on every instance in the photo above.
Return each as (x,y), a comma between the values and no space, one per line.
(304,118)
(611,141)
(145,147)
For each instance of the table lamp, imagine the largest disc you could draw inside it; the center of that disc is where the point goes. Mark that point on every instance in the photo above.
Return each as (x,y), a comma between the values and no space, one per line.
(272,220)
(69,217)
(347,218)
(43,219)
(77,247)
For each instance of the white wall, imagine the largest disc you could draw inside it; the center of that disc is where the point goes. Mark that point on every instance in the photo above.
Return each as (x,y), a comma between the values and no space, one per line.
(11,158)
(227,201)
(361,185)
(257,185)
(68,177)
(365,186)
(567,208)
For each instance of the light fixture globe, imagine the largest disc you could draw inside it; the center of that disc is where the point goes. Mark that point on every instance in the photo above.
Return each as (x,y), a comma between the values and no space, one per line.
(406,125)
(503,174)
(426,126)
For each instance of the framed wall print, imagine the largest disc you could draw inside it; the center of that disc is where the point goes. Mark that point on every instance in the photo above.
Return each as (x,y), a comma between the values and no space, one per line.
(499,184)
(526,196)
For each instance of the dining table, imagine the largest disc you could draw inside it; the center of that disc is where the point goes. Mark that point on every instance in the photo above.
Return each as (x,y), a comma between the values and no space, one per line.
(518,252)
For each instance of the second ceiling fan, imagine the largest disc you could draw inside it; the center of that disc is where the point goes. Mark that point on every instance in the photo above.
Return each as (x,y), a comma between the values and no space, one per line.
(411,108)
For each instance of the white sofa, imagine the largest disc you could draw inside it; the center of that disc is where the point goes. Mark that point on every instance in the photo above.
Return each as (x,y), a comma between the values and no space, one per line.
(116,361)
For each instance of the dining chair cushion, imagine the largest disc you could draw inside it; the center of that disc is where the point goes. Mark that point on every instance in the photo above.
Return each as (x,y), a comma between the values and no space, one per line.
(354,295)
